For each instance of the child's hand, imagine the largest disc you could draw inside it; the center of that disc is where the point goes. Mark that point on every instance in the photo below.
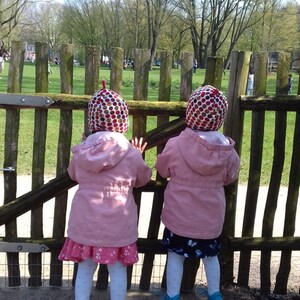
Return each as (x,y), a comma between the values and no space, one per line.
(139,144)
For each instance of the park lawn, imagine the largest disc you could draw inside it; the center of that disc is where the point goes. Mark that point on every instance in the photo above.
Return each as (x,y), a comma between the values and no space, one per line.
(27,119)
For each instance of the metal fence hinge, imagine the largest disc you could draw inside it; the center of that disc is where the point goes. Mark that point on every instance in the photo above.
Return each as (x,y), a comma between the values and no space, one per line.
(8,169)
(22,247)
(25,100)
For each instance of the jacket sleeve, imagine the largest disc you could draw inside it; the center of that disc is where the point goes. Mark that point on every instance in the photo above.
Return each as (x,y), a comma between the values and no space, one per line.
(233,168)
(71,170)
(162,164)
(143,174)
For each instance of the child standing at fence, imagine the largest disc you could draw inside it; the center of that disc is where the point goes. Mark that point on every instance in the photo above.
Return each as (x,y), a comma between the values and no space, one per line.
(199,163)
(103,218)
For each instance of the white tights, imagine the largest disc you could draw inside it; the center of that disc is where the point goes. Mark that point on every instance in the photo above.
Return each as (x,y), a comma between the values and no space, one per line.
(175,272)
(84,280)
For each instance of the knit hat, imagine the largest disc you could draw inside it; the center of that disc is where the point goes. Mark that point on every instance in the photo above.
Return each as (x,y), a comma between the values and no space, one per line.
(107,111)
(206,109)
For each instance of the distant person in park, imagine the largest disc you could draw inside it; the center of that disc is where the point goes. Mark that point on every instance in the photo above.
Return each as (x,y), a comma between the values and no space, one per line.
(195,66)
(50,71)
(3,54)
(250,84)
(199,163)
(103,218)
(290,84)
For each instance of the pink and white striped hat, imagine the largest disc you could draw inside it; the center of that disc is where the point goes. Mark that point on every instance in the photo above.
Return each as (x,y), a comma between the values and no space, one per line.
(206,109)
(107,111)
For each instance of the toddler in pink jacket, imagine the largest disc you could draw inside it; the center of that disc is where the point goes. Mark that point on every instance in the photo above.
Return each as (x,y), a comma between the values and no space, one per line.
(103,218)
(199,163)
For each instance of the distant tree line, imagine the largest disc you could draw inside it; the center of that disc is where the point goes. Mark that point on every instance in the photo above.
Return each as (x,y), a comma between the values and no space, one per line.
(204,27)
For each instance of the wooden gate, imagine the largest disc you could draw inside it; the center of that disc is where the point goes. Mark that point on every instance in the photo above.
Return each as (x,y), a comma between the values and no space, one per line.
(140,110)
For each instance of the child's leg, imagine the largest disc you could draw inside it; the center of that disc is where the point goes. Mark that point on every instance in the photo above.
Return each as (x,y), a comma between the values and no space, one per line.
(174,274)
(84,279)
(118,281)
(212,271)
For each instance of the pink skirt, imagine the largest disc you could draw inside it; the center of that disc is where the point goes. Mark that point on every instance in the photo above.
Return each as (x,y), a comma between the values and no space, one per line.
(72,251)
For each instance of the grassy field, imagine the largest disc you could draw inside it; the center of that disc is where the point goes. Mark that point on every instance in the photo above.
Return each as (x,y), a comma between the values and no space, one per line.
(27,118)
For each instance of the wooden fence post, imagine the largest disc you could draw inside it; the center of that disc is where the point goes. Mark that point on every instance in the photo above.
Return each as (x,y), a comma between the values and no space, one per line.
(92,64)
(66,67)
(38,162)
(116,69)
(233,127)
(140,91)
(164,94)
(63,157)
(16,66)
(214,71)
(283,70)
(256,151)
(41,67)
(186,83)
(11,155)
(260,60)
(258,120)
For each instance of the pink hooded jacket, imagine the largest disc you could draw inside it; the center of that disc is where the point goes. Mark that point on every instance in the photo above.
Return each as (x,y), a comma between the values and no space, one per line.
(103,211)
(194,201)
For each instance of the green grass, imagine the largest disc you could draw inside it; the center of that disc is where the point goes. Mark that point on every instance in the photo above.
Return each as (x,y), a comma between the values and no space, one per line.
(27,119)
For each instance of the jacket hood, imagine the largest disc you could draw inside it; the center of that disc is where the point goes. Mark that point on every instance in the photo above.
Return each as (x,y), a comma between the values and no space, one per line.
(208,162)
(101,150)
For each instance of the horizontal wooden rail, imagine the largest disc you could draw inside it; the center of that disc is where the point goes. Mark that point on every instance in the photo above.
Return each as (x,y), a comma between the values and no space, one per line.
(265,243)
(145,245)
(63,182)
(268,103)
(173,108)
(72,102)
(35,198)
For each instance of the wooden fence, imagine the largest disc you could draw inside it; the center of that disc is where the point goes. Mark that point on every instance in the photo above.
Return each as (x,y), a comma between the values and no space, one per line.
(163,109)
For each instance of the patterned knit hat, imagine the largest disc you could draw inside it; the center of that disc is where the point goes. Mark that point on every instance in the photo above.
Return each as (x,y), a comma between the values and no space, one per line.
(206,109)
(107,111)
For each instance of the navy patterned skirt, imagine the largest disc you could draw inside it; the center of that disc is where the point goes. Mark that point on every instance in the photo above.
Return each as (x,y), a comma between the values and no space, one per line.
(190,247)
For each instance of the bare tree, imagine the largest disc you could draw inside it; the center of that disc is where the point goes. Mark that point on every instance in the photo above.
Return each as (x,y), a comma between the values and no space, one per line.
(158,12)
(135,16)
(82,20)
(212,22)
(10,12)
(42,23)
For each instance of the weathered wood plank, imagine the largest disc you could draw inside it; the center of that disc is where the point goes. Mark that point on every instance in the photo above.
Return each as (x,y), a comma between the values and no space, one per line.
(10,189)
(186,76)
(214,71)
(166,59)
(38,169)
(61,201)
(233,127)
(34,198)
(257,139)
(290,212)
(116,69)
(11,153)
(66,68)
(16,67)
(265,243)
(41,67)
(92,64)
